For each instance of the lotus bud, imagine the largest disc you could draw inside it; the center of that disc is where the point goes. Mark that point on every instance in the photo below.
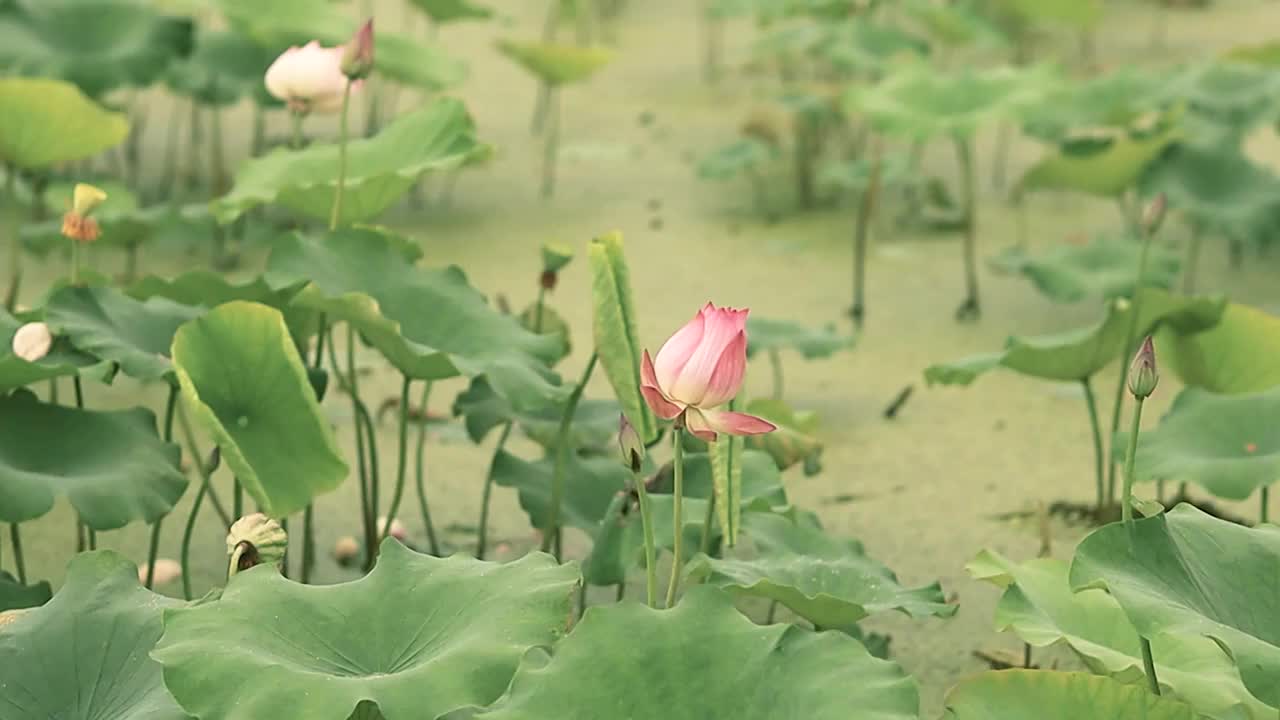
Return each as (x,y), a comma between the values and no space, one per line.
(357,57)
(1143,375)
(255,540)
(346,550)
(396,530)
(631,445)
(1153,214)
(76,223)
(166,571)
(32,341)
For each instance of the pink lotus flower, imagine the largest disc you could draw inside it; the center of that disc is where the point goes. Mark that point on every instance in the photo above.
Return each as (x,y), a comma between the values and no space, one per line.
(699,369)
(309,78)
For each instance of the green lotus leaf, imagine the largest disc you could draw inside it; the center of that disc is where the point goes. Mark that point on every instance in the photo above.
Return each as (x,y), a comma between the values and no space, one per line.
(1104,268)
(554,63)
(112,466)
(99,45)
(445,11)
(224,67)
(208,289)
(595,425)
(1077,14)
(281,23)
(828,581)
(1021,694)
(793,39)
(49,122)
(1111,171)
(85,654)
(362,276)
(1078,354)
(434,635)
(893,170)
(551,324)
(1039,606)
(121,221)
(794,441)
(1227,357)
(923,103)
(952,25)
(703,659)
(241,375)
(614,329)
(1111,100)
(134,334)
(63,359)
(1188,573)
(1235,96)
(590,484)
(619,541)
(736,158)
(440,136)
(16,596)
(768,334)
(870,45)
(1267,54)
(1217,188)
(1224,443)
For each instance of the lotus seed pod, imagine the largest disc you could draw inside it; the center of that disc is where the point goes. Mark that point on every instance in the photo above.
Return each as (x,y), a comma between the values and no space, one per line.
(1143,375)
(32,341)
(555,256)
(255,540)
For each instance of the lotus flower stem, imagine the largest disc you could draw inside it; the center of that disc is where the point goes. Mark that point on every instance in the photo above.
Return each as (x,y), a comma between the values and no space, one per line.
(296,137)
(432,543)
(862,225)
(650,547)
(1126,507)
(551,146)
(482,533)
(1264,511)
(971,308)
(403,458)
(237,498)
(1130,345)
(1091,403)
(677,510)
(335,216)
(562,459)
(15,539)
(153,548)
(704,546)
(185,556)
(537,312)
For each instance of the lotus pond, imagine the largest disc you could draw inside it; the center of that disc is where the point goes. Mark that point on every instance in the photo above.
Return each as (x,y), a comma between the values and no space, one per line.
(403,370)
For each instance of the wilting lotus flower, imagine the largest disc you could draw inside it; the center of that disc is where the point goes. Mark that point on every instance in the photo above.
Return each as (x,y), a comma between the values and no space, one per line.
(309,78)
(699,369)
(76,223)
(32,341)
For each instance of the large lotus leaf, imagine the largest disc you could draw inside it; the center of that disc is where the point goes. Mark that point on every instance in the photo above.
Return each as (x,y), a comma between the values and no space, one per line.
(923,103)
(443,11)
(1114,99)
(63,359)
(282,23)
(554,63)
(828,581)
(134,334)
(419,636)
(1078,354)
(48,122)
(869,45)
(1218,188)
(225,66)
(735,158)
(241,374)
(85,654)
(16,596)
(1039,606)
(701,660)
(1224,443)
(380,169)
(589,486)
(1234,95)
(794,441)
(1189,573)
(99,45)
(1109,170)
(112,466)
(208,289)
(1227,357)
(1044,695)
(614,329)
(1106,267)
(952,24)
(430,324)
(768,334)
(619,541)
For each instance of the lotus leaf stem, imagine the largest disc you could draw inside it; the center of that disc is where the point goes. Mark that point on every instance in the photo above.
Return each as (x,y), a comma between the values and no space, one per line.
(185,556)
(650,547)
(197,458)
(19,562)
(335,216)
(970,309)
(1091,403)
(563,448)
(551,144)
(677,510)
(482,533)
(153,548)
(15,239)
(420,475)
(403,458)
(1264,496)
